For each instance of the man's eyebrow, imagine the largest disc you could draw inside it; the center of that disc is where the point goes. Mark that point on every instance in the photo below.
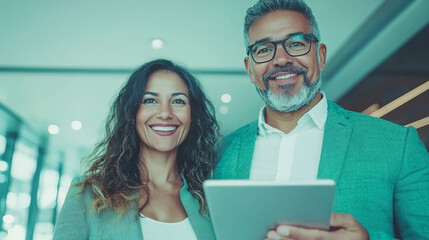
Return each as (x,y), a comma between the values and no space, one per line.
(268,39)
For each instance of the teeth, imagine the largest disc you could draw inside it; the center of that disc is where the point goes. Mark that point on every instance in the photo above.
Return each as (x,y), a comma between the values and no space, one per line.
(285,76)
(164,129)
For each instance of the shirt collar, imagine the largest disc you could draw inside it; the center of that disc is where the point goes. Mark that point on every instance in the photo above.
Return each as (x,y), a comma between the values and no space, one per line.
(317,115)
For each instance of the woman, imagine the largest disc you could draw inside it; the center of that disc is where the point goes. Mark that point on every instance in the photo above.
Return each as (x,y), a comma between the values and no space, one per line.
(145,179)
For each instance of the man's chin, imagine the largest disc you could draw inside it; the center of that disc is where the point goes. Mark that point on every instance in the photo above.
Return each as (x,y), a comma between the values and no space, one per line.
(288,102)
(279,85)
(288,90)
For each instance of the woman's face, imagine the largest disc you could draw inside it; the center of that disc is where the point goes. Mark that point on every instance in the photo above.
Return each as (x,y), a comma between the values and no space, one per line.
(164,116)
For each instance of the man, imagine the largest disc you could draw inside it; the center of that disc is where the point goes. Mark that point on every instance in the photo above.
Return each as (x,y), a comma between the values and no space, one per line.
(381,169)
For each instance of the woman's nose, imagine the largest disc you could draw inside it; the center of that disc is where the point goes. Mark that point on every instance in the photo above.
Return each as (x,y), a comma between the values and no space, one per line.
(164,111)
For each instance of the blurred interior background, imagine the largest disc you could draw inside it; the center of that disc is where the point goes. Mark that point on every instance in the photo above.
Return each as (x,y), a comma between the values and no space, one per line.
(63,62)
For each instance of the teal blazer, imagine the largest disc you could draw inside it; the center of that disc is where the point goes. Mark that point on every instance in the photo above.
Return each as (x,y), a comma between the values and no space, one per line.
(77,222)
(381,170)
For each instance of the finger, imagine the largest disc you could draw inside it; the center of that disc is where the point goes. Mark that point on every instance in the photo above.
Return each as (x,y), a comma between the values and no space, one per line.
(342,220)
(341,223)
(291,232)
(273,235)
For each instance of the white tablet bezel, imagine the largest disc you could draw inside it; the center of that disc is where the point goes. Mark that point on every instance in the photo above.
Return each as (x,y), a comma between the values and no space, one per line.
(245,209)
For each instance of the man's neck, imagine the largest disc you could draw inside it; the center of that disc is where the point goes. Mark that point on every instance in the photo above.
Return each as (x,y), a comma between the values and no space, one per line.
(287,121)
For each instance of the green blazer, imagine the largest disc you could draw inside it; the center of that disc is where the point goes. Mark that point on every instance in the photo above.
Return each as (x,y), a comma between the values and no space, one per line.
(77,222)
(381,170)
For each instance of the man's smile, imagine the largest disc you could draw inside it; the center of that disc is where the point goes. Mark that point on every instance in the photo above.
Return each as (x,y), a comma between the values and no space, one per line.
(287,76)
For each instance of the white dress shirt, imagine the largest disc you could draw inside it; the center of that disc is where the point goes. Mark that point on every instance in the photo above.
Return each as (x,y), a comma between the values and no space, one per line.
(294,156)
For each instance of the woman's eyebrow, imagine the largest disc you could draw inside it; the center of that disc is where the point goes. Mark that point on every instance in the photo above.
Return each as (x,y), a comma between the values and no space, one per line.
(151,93)
(179,93)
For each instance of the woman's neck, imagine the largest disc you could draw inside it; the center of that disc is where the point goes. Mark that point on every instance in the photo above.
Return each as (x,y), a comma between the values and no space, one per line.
(161,166)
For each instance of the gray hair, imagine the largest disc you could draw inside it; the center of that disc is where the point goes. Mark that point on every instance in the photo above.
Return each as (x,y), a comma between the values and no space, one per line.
(263,7)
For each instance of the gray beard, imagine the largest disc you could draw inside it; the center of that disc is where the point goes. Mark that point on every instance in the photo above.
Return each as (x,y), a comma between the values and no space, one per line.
(289,102)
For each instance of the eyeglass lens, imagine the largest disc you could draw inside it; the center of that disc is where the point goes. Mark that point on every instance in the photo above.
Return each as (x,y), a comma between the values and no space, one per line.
(295,45)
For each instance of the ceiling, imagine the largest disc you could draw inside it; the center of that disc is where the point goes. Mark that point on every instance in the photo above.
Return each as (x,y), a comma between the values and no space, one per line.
(62,61)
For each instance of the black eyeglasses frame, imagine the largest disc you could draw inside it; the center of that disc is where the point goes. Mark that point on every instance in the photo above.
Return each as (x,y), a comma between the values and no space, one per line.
(306,35)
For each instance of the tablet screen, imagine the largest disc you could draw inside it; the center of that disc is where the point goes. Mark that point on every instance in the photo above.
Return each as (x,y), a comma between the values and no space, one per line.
(245,209)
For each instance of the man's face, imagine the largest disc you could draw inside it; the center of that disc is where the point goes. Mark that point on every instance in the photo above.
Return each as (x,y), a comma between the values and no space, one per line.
(285,83)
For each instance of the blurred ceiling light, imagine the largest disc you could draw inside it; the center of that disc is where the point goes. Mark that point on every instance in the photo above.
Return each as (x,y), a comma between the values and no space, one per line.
(76,125)
(157,43)
(419,123)
(401,100)
(226,98)
(53,129)
(8,219)
(3,166)
(223,109)
(23,166)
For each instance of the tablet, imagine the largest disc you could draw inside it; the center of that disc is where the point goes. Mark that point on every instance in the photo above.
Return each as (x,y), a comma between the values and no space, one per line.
(245,209)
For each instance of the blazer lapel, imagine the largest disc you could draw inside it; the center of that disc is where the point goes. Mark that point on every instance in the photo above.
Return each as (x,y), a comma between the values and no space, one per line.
(202,225)
(118,227)
(338,130)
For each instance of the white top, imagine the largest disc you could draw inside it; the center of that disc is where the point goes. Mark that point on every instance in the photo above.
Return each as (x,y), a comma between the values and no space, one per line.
(293,156)
(156,230)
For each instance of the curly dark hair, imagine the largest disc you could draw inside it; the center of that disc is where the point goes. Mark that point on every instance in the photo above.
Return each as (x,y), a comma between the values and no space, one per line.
(114,173)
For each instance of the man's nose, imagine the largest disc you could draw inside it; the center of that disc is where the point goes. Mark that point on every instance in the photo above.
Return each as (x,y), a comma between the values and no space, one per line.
(282,58)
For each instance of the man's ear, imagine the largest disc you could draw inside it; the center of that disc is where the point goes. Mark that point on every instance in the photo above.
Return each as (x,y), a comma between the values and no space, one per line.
(322,56)
(249,69)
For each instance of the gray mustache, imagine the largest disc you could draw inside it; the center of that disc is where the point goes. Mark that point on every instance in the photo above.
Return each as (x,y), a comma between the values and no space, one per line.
(297,70)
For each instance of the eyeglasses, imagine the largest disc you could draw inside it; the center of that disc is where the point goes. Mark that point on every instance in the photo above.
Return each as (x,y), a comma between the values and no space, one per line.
(295,45)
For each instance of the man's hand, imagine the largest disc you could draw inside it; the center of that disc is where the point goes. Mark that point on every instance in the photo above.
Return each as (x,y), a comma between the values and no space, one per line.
(343,226)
